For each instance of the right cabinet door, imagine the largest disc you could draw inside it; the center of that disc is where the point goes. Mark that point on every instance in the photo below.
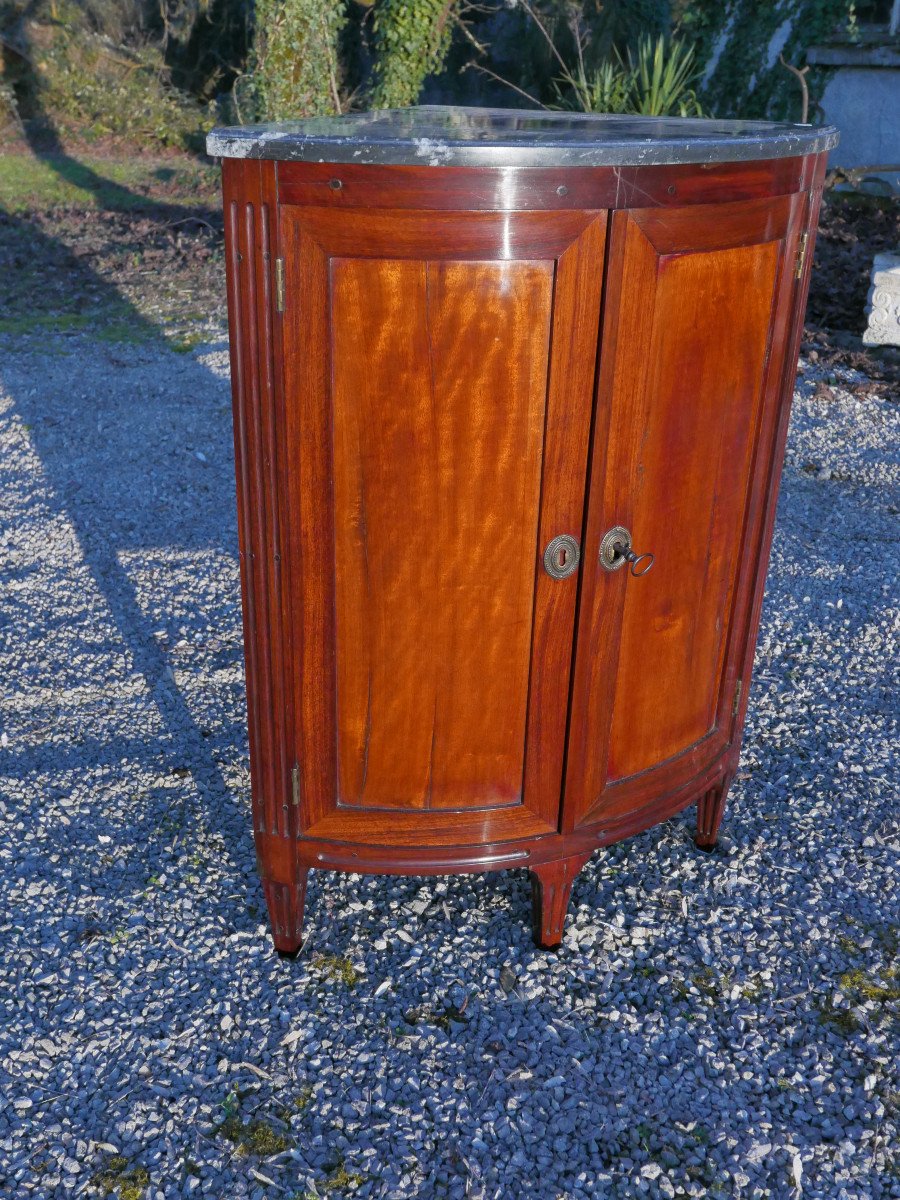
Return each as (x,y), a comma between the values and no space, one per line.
(692,376)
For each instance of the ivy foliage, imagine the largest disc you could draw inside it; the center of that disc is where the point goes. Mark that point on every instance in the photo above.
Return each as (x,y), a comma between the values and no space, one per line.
(412,38)
(297,58)
(740,42)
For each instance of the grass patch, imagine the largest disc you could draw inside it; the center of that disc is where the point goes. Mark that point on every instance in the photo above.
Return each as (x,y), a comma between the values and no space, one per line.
(105,325)
(861,985)
(342,1180)
(842,1020)
(111,184)
(186,342)
(336,966)
(117,1178)
(256,1137)
(754,989)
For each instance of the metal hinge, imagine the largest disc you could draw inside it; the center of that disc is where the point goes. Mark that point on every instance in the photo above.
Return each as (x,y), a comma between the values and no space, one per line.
(737,698)
(801,255)
(279,285)
(295,786)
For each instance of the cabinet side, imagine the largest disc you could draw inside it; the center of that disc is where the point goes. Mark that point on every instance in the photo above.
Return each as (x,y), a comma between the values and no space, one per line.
(255,350)
(808,226)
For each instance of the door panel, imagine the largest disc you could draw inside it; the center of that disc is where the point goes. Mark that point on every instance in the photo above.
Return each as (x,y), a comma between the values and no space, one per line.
(437,425)
(699,428)
(435,579)
(688,368)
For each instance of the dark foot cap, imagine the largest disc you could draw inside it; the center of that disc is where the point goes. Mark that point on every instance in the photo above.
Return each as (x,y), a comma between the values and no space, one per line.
(288,955)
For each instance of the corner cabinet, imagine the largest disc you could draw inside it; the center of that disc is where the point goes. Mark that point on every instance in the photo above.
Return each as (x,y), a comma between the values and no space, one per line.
(508,438)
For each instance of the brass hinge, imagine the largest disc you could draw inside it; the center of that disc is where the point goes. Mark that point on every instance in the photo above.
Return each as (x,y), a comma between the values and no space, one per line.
(279,285)
(801,255)
(737,698)
(295,786)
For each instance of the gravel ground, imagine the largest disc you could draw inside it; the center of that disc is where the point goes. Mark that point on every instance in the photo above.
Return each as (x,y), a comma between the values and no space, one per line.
(720,1025)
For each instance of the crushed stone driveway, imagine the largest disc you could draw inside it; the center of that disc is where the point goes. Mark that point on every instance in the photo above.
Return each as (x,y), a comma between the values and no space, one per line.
(722,1025)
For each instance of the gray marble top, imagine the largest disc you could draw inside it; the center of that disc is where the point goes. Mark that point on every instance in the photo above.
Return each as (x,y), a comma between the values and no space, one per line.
(507,137)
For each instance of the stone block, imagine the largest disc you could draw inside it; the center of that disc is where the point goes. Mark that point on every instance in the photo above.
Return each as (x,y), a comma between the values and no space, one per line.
(884,302)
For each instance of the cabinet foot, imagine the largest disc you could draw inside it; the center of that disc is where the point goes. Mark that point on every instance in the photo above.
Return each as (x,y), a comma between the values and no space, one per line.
(551,886)
(285,903)
(710,808)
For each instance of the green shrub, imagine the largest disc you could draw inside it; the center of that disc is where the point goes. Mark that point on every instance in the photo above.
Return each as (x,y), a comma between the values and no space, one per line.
(66,76)
(412,38)
(297,64)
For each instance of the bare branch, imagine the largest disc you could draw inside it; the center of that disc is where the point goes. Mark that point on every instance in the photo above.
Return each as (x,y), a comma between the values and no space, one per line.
(549,40)
(801,75)
(506,83)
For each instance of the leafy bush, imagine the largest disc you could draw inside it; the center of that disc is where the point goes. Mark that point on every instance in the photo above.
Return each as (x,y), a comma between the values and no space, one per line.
(412,38)
(62,74)
(297,64)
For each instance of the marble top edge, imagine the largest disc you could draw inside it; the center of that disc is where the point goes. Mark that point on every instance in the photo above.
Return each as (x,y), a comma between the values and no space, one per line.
(437,136)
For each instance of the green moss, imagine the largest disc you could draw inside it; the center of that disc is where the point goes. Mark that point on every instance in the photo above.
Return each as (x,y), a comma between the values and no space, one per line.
(840,1019)
(848,945)
(186,342)
(300,1102)
(256,1137)
(117,1179)
(336,967)
(342,1180)
(858,983)
(647,971)
(753,990)
(710,983)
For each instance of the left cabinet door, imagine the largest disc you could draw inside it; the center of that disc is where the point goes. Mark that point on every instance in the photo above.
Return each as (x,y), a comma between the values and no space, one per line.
(438,370)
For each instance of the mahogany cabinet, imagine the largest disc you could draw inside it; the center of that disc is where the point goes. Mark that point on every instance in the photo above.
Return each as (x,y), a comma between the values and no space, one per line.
(510,396)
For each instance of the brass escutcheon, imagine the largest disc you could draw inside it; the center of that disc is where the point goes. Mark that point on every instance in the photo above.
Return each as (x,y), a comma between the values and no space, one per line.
(561,556)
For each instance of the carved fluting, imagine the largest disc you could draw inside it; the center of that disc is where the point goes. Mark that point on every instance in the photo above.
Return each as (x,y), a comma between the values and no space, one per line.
(250,245)
(551,887)
(710,808)
(285,902)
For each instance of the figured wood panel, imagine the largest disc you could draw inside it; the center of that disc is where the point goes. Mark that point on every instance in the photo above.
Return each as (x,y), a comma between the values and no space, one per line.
(694,342)
(439,381)
(689,492)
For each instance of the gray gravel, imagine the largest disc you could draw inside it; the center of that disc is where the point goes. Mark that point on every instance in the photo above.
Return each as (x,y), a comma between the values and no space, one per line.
(720,1025)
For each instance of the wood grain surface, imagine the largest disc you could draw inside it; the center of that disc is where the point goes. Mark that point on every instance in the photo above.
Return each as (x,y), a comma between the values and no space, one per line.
(439,384)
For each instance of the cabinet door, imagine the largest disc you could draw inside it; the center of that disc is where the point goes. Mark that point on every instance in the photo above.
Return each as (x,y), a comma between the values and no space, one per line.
(438,378)
(691,368)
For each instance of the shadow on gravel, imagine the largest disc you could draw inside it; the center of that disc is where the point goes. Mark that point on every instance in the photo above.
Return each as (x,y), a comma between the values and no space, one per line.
(113,503)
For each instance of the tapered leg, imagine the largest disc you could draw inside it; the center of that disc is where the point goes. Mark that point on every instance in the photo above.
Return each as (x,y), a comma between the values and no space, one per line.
(551,886)
(285,903)
(710,808)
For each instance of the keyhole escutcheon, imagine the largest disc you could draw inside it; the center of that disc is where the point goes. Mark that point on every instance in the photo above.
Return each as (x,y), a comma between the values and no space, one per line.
(561,556)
